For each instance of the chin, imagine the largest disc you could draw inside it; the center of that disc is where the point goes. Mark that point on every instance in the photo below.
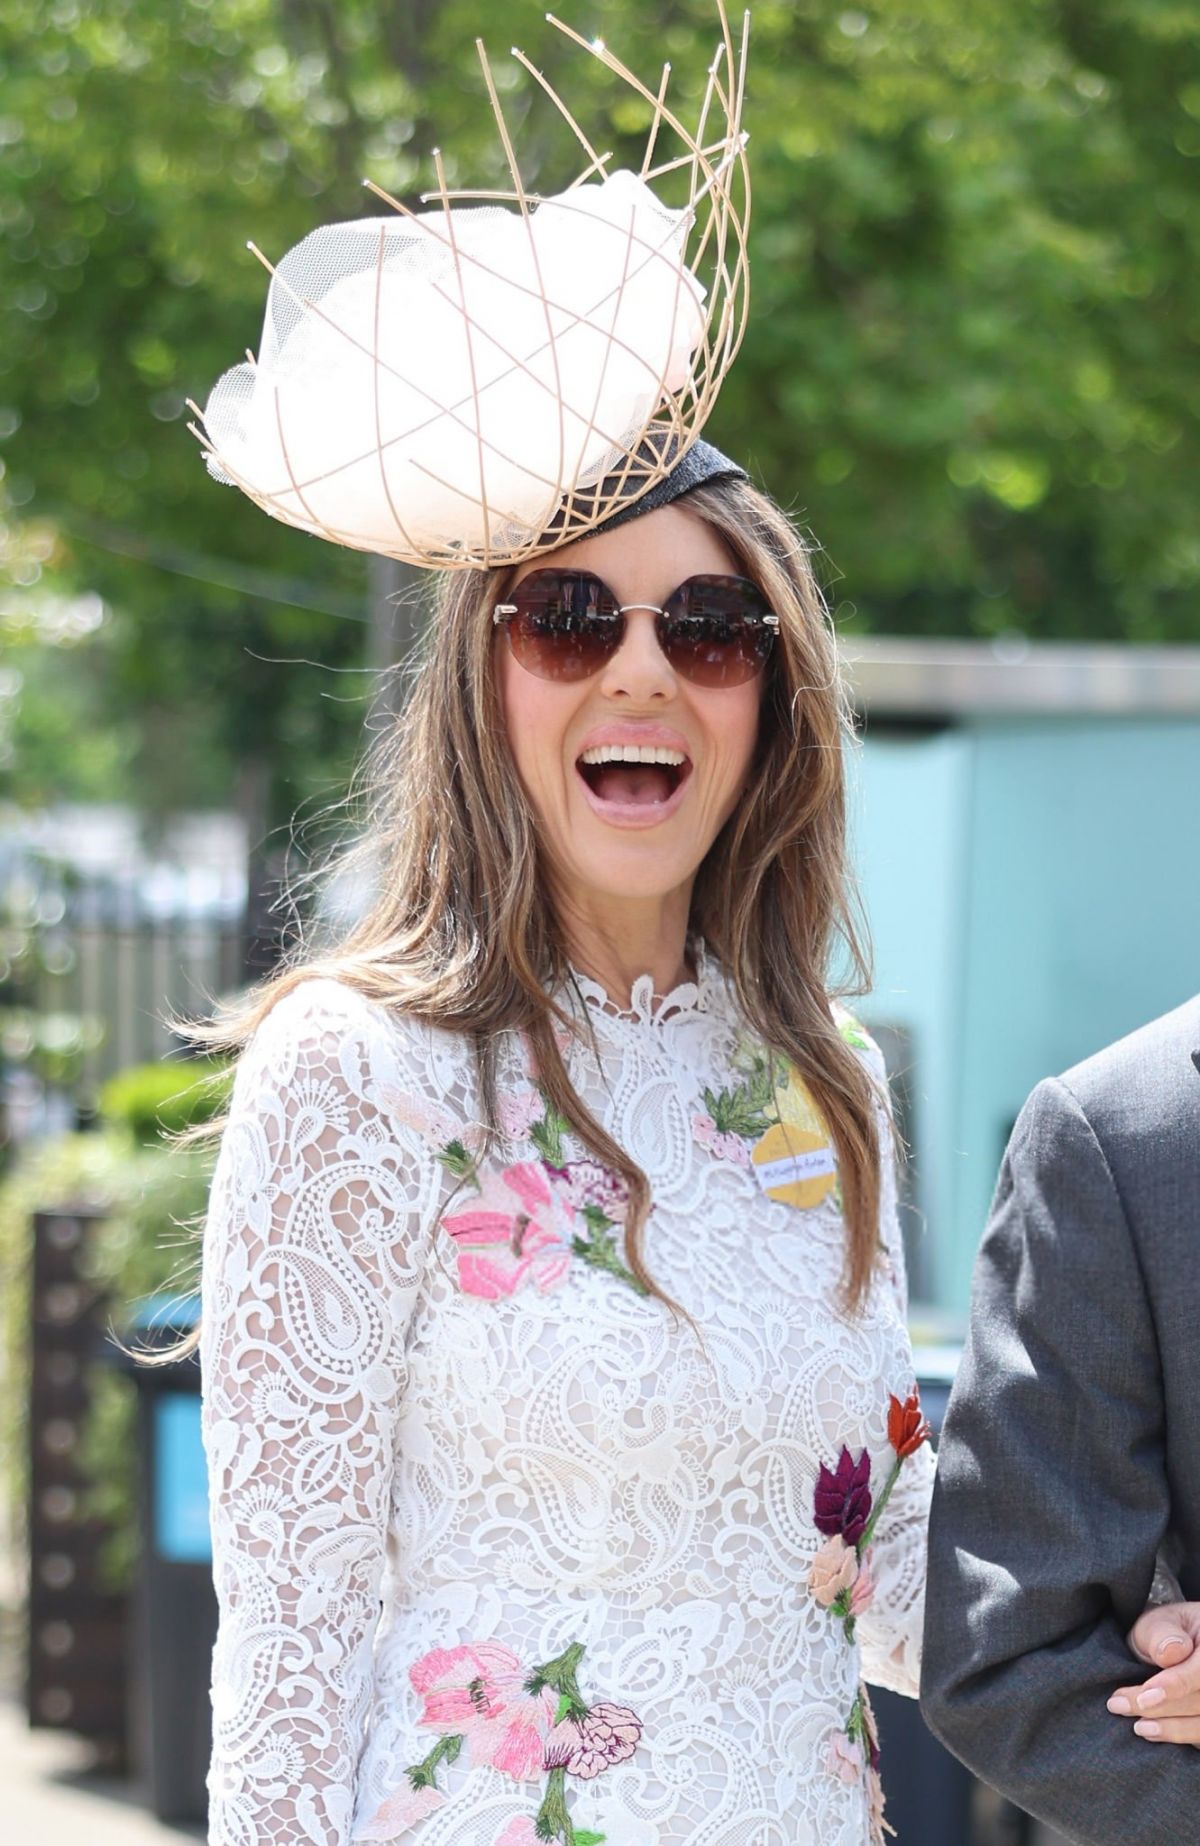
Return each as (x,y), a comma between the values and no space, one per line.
(647,872)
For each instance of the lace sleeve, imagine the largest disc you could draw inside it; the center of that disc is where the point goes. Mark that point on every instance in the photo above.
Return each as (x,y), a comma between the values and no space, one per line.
(310,1273)
(890,1630)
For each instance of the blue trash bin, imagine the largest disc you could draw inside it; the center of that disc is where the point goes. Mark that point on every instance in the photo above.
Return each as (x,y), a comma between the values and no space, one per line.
(174,1621)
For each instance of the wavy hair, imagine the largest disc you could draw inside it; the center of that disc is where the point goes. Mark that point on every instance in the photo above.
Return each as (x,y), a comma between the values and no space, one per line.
(459,936)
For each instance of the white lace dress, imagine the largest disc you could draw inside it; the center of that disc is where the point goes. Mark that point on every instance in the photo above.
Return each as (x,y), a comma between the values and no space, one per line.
(503,1553)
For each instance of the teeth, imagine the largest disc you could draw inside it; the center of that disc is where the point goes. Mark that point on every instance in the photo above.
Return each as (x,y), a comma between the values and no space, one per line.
(633,753)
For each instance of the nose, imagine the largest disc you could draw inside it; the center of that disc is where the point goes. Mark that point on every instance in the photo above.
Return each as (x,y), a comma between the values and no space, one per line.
(639,670)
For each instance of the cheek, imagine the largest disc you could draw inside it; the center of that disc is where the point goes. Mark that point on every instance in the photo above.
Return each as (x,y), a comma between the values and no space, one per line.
(535,715)
(734,726)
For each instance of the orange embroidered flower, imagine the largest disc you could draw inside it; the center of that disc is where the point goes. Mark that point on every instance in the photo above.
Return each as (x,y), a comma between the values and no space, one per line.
(907,1428)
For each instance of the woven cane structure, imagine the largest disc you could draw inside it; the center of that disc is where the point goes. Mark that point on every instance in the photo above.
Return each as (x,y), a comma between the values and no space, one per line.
(471,383)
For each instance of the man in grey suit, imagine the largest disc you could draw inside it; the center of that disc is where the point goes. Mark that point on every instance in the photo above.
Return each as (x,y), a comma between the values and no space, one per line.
(1070,1458)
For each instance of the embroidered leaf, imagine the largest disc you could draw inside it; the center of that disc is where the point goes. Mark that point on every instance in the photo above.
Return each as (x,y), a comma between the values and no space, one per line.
(734,1113)
(456,1160)
(853,1033)
(565,1706)
(547,1136)
(601,1253)
(586,1837)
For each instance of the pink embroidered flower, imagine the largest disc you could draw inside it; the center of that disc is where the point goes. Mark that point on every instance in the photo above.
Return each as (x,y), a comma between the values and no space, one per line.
(843,1758)
(832,1571)
(721,1145)
(517,1114)
(428,1118)
(585,1746)
(401,1810)
(586,1182)
(732,1148)
(479,1693)
(519,1832)
(508,1235)
(862,1594)
(842,1502)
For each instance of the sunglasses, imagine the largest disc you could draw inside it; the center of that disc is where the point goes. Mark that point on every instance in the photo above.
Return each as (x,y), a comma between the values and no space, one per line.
(567,625)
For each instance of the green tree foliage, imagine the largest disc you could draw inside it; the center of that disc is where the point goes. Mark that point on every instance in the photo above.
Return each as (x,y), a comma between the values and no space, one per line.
(972,367)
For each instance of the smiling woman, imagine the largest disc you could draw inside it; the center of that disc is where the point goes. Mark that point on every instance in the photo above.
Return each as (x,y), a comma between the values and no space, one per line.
(553,1287)
(557,1206)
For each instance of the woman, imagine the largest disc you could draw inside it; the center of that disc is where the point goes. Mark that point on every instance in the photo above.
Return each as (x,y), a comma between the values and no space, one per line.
(558,1399)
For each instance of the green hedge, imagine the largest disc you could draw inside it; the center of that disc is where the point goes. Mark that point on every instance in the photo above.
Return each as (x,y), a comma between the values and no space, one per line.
(153,1099)
(153,1197)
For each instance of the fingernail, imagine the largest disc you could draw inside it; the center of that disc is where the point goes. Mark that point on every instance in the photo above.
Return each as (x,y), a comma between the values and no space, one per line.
(1146,1727)
(1148,1700)
(1121,1707)
(1173,1640)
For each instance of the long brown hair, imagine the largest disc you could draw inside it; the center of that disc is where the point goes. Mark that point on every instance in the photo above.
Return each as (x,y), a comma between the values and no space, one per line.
(458,934)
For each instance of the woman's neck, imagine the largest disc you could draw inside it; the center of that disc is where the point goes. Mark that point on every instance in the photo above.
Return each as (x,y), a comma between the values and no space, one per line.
(617,943)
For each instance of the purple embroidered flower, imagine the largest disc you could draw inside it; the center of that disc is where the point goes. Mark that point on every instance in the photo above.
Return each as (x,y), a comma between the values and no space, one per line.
(842,1503)
(586,1182)
(584,1746)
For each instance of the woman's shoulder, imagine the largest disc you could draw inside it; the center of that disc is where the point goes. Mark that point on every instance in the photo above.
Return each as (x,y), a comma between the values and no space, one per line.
(326,1018)
(859,1039)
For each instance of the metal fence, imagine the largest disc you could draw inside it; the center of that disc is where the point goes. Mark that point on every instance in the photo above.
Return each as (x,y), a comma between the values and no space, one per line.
(92,967)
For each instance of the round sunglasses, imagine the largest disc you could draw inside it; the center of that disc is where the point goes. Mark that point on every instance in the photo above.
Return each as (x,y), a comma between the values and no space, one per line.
(567,625)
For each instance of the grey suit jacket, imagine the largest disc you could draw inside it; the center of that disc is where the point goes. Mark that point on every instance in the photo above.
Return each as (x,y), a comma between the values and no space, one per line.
(1071,1448)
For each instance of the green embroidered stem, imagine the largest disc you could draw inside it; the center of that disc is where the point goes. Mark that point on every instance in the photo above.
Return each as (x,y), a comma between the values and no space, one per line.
(553,1822)
(559,1675)
(446,1749)
(881,1502)
(856,1725)
(840,1606)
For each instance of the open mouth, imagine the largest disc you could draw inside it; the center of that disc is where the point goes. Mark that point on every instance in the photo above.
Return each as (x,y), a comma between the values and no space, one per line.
(633,775)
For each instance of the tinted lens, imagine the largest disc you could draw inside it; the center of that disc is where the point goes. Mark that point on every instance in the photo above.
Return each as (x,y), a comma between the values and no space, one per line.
(714,632)
(566,625)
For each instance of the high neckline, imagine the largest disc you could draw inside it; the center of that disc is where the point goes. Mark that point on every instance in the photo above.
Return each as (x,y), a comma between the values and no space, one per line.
(646,1007)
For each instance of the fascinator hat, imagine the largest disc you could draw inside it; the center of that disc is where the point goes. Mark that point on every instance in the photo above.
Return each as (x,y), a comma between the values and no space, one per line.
(503,372)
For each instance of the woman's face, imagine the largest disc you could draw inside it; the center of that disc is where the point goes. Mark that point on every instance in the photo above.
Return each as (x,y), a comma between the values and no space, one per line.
(631,830)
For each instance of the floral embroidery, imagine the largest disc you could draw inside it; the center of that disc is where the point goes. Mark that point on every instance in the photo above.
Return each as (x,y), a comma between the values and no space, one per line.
(530,1219)
(528,1725)
(840,1578)
(769,1121)
(509,1235)
(842,1503)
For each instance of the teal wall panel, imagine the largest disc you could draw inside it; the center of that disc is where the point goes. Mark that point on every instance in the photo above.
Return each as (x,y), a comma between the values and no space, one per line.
(909,824)
(1033,891)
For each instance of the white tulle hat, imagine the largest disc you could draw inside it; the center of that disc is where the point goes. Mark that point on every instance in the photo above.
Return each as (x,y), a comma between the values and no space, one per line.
(470,384)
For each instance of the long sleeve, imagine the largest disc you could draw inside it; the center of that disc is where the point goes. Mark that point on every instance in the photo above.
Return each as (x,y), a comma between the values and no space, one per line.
(310,1272)
(889,1631)
(1052,1500)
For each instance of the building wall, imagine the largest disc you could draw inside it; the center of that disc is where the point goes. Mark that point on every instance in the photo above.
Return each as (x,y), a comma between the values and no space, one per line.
(1033,891)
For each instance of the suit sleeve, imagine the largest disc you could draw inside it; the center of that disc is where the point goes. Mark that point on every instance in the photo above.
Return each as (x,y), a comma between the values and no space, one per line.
(1052,1500)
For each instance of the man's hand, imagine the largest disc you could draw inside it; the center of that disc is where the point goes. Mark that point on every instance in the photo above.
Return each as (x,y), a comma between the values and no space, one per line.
(1165,1707)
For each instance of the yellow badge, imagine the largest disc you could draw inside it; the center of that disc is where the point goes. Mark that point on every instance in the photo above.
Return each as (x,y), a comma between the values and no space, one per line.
(794,1160)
